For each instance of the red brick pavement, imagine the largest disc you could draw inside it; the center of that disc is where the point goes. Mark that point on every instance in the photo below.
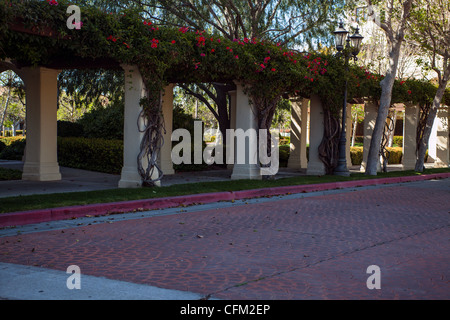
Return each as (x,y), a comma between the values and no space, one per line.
(311,248)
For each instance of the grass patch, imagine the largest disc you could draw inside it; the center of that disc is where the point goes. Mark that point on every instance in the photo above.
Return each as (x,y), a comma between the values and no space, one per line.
(44,201)
(10,174)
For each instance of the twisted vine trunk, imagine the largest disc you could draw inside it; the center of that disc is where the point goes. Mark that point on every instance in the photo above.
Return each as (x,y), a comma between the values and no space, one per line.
(151,125)
(265,112)
(329,147)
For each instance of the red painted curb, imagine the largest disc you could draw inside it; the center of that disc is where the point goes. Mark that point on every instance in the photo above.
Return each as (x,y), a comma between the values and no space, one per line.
(45,215)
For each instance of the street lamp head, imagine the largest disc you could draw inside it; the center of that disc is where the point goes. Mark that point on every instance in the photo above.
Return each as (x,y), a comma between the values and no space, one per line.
(340,35)
(356,39)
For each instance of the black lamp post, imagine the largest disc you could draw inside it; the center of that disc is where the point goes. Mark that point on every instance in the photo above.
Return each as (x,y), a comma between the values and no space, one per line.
(352,46)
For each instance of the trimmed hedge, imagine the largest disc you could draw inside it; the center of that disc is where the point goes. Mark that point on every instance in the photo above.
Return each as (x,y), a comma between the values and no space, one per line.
(356,154)
(12,148)
(395,156)
(91,154)
(397,140)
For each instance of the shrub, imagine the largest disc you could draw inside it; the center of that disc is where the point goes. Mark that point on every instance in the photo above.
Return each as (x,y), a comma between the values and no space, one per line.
(356,154)
(69,129)
(91,154)
(284,151)
(395,156)
(13,148)
(104,123)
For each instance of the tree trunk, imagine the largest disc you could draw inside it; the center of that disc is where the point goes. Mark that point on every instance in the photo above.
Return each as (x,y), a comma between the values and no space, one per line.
(6,109)
(355,125)
(385,101)
(423,144)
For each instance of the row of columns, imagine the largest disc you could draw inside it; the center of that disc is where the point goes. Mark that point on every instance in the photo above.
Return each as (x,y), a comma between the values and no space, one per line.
(242,116)
(41,151)
(304,112)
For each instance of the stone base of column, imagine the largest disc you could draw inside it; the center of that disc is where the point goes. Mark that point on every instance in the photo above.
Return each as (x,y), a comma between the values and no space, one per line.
(130,178)
(246,171)
(408,165)
(167,168)
(41,171)
(440,164)
(315,169)
(294,162)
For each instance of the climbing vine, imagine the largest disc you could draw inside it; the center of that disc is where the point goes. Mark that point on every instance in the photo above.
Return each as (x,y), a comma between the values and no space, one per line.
(35,33)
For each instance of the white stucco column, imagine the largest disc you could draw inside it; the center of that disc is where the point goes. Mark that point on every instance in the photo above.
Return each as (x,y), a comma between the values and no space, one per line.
(232,123)
(41,159)
(134,91)
(442,139)
(315,165)
(299,118)
(165,159)
(409,136)
(246,156)
(370,117)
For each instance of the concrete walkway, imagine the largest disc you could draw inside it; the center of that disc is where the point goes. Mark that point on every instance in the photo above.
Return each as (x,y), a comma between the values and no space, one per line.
(75,180)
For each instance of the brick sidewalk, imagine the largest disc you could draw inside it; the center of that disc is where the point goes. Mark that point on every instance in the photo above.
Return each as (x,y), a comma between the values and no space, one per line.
(312,248)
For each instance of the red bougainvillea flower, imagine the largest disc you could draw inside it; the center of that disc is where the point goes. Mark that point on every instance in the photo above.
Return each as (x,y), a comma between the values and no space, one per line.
(201,41)
(111,38)
(52,2)
(273,69)
(173,41)
(183,29)
(154,43)
(213,50)
(402,82)
(409,91)
(202,54)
